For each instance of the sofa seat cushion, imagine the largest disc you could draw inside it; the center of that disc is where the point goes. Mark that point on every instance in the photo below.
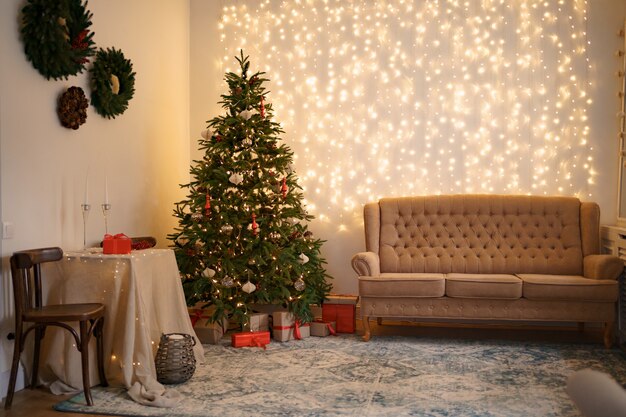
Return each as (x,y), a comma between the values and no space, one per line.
(492,286)
(421,285)
(568,287)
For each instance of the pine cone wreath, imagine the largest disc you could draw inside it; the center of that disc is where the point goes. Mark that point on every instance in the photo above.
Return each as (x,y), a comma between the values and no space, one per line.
(72,108)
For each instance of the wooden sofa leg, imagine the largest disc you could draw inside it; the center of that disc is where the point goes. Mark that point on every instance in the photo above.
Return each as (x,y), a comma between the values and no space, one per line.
(608,334)
(367,334)
(379,321)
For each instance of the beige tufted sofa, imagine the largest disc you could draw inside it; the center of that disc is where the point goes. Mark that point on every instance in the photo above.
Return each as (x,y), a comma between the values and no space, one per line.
(486,257)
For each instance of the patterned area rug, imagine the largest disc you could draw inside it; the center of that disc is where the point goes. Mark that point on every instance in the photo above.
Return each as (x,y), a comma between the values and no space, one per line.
(389,376)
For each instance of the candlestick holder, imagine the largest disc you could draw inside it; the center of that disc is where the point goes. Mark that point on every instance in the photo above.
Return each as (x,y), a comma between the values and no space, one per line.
(106,207)
(85,208)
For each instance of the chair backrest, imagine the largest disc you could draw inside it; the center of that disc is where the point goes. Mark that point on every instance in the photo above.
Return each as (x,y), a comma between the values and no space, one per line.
(26,275)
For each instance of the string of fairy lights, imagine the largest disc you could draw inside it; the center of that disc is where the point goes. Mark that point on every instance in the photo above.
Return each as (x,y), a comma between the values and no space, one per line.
(402,97)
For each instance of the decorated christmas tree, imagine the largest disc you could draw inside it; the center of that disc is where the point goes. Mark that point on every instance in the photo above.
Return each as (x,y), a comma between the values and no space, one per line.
(242,238)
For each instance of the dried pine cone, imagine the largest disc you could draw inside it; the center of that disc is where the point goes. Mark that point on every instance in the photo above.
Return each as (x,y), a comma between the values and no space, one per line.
(72,108)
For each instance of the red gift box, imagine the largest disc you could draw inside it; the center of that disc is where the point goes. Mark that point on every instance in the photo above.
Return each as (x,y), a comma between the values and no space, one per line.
(251,339)
(116,245)
(342,310)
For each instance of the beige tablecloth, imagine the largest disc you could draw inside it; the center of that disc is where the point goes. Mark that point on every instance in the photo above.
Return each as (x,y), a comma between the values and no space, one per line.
(144,298)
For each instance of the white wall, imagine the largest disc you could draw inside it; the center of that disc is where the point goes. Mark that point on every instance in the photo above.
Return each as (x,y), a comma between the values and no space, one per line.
(327,111)
(143,152)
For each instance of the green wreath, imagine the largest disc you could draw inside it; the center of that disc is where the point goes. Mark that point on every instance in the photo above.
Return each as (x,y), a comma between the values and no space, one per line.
(112,83)
(56,36)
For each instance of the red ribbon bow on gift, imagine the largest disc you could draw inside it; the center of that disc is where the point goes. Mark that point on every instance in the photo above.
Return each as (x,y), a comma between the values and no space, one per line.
(330,328)
(117,236)
(296,329)
(256,341)
(197,316)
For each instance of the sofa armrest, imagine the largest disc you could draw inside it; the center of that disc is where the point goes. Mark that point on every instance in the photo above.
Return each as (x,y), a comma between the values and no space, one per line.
(366,264)
(602,266)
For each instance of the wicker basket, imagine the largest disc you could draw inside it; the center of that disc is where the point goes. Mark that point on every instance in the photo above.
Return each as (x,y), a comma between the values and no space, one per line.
(175,360)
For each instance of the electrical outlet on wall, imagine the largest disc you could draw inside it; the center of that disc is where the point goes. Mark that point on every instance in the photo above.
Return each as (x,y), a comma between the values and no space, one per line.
(7,230)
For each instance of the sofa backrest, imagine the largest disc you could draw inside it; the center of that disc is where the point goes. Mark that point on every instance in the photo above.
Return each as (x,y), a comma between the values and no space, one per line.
(482,234)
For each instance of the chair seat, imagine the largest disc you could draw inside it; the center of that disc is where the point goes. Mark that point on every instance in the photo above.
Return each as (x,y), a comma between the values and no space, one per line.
(65,312)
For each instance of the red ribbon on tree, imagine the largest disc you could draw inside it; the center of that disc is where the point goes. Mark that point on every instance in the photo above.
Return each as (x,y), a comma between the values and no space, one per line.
(207,206)
(284,188)
(255,226)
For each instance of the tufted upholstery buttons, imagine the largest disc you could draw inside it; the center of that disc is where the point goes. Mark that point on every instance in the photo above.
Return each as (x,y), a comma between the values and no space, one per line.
(470,235)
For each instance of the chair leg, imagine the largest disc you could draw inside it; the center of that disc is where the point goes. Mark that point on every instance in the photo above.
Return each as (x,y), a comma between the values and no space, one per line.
(17,351)
(84,355)
(100,345)
(608,334)
(39,332)
(367,334)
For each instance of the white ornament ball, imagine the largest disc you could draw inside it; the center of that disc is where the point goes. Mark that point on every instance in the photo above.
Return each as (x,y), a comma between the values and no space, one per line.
(208,273)
(246,114)
(299,284)
(303,258)
(206,134)
(258,228)
(236,178)
(248,287)
(228,281)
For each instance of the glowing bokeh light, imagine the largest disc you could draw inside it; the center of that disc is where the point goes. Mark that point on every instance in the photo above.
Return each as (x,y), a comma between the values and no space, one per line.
(423,97)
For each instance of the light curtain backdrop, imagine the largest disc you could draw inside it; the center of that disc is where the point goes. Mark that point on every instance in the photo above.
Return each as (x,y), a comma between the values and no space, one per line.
(401,97)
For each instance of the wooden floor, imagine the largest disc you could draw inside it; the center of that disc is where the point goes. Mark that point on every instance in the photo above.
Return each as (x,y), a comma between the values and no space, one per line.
(39,402)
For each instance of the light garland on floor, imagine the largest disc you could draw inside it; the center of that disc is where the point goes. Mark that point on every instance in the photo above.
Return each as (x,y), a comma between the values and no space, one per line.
(423,97)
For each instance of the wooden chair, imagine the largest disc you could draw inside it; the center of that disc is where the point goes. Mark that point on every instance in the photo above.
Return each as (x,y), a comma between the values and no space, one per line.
(26,274)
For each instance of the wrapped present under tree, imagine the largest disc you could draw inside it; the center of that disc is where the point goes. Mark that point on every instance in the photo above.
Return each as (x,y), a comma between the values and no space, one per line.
(342,310)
